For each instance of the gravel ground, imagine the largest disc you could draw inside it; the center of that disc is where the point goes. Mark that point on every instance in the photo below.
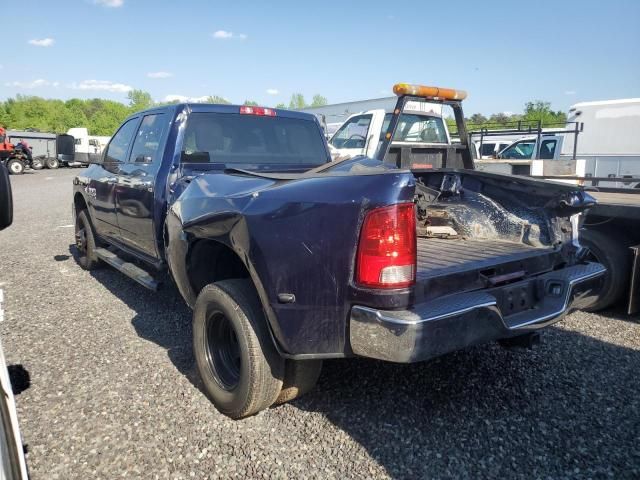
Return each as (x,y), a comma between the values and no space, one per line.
(114,392)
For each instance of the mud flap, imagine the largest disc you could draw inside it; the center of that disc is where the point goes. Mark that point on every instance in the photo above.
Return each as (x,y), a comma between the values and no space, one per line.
(634,284)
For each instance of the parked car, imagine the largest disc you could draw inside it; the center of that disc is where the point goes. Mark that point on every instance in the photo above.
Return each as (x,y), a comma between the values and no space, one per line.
(288,258)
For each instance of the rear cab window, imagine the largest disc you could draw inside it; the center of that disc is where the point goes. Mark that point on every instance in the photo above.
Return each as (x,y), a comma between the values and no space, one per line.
(417,129)
(252,142)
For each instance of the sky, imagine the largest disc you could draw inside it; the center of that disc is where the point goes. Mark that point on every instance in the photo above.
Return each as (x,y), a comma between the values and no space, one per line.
(503,53)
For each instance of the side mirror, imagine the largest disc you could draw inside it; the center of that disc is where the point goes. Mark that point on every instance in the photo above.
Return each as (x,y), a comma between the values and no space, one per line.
(6,199)
(96,159)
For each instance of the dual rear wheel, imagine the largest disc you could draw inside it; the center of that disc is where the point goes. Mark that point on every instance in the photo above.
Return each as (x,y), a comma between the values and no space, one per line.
(241,371)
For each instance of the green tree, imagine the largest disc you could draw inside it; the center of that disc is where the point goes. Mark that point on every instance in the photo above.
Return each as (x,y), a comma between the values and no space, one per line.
(500,118)
(318,101)
(217,99)
(281,105)
(297,101)
(477,119)
(541,111)
(139,100)
(250,103)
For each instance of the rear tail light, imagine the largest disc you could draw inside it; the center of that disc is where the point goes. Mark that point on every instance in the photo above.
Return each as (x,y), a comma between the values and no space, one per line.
(260,111)
(387,248)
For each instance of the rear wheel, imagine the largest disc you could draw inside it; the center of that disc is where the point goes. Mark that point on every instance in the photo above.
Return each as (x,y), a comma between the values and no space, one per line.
(611,250)
(86,242)
(240,369)
(15,166)
(37,164)
(300,376)
(52,163)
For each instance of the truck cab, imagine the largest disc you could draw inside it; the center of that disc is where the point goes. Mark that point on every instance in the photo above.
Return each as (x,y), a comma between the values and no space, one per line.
(87,147)
(363,133)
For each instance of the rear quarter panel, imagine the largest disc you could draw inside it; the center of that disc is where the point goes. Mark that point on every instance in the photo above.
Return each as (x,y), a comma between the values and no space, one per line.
(295,236)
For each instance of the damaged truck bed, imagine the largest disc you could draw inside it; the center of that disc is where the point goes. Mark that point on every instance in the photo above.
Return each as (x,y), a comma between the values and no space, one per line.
(288,258)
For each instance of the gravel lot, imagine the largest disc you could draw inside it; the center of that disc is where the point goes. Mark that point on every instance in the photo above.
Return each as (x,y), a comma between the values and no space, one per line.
(114,392)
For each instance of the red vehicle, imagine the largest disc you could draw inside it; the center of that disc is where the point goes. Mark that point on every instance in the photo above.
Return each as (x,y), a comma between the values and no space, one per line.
(15,161)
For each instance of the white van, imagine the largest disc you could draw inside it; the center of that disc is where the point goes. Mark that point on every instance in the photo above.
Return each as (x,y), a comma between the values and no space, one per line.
(610,140)
(608,144)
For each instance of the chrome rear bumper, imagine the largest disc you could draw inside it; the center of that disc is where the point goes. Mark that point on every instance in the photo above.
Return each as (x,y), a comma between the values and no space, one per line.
(450,323)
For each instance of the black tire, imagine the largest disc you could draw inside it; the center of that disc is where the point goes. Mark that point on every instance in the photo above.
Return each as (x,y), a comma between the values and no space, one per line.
(37,164)
(300,376)
(52,163)
(15,166)
(611,250)
(239,366)
(6,198)
(86,242)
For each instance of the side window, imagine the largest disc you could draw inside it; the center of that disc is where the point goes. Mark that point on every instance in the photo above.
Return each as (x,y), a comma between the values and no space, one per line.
(78,141)
(487,149)
(147,142)
(520,150)
(119,145)
(352,134)
(547,149)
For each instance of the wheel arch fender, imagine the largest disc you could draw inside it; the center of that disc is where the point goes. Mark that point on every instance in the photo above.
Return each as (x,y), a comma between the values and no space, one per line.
(209,249)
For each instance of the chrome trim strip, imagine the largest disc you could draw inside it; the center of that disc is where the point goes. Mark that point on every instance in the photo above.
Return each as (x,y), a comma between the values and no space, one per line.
(381,316)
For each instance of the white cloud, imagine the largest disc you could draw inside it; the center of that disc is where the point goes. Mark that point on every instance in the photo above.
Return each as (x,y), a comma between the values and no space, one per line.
(101,85)
(42,42)
(225,35)
(109,3)
(272,91)
(570,92)
(40,82)
(159,74)
(186,99)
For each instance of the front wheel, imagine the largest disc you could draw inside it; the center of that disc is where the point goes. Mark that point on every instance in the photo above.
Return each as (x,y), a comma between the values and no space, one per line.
(241,370)
(15,166)
(52,163)
(86,242)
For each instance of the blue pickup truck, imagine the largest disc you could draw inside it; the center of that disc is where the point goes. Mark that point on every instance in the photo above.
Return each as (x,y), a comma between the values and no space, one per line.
(288,258)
